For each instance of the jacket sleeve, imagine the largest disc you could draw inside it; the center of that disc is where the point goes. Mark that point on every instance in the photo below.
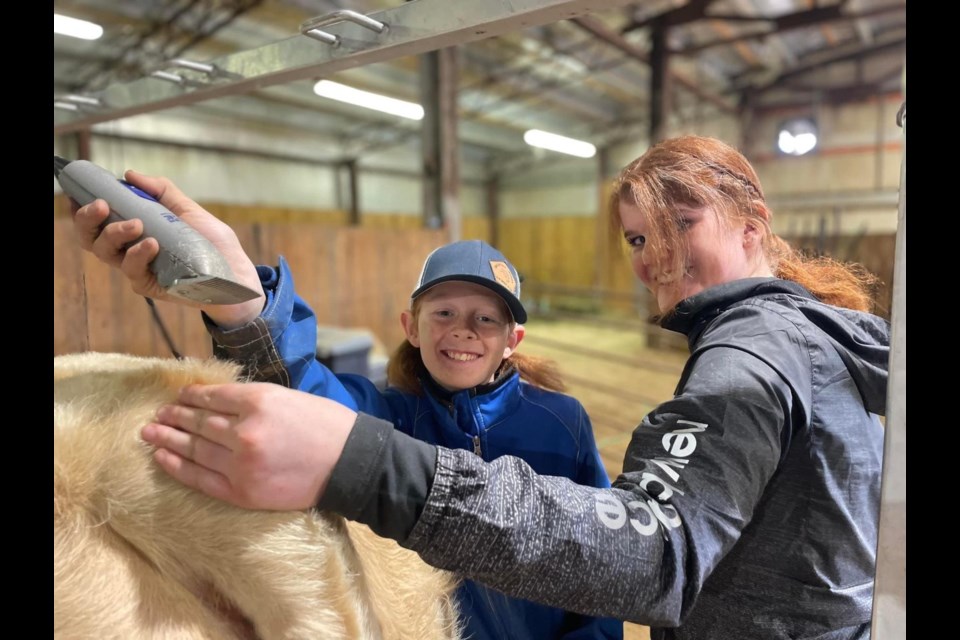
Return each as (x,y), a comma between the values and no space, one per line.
(590,472)
(590,468)
(641,550)
(280,346)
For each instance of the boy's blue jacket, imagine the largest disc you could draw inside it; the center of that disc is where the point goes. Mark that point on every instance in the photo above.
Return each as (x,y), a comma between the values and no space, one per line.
(549,430)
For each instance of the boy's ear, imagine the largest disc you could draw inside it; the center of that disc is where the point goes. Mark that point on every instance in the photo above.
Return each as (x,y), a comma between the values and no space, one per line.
(513,340)
(410,328)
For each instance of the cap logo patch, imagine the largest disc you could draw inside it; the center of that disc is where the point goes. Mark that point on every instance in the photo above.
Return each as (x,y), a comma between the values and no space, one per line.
(503,275)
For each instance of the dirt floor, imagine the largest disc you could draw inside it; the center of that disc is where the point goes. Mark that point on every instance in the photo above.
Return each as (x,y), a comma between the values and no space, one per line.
(611,371)
(615,375)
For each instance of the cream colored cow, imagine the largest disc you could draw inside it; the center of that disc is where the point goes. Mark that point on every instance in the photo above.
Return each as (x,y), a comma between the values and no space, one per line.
(138,556)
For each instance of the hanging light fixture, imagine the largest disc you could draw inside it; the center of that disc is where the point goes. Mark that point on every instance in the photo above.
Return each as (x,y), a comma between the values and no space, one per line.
(797,137)
(558,143)
(368,100)
(75,28)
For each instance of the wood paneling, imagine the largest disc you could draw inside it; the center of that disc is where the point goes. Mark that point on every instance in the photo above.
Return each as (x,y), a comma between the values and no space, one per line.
(351,277)
(874,252)
(69,293)
(556,250)
(361,276)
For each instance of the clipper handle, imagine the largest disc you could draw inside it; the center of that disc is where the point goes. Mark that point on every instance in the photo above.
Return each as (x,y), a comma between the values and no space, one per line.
(188,266)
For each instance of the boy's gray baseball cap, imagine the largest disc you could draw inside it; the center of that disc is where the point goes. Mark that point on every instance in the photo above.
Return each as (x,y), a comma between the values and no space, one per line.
(473,261)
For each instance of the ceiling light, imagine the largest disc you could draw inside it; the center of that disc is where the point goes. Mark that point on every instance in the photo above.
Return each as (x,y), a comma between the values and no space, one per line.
(76,28)
(343,93)
(797,137)
(560,144)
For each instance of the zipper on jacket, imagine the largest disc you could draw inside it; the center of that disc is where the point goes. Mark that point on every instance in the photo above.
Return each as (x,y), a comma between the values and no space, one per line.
(476,446)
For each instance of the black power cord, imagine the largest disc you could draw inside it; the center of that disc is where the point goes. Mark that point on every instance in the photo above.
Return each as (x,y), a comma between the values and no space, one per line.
(163,329)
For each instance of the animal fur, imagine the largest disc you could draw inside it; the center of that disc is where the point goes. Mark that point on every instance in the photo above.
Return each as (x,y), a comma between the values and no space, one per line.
(138,556)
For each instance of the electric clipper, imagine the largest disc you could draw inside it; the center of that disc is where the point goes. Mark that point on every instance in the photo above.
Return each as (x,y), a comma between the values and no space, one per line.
(188,265)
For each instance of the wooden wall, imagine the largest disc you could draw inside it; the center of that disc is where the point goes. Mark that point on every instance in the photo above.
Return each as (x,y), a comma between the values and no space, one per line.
(874,252)
(361,276)
(556,249)
(352,277)
(576,252)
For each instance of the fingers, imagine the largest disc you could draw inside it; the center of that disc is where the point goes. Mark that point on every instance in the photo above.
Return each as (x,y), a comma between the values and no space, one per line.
(108,242)
(209,482)
(88,221)
(135,265)
(231,399)
(194,448)
(215,427)
(163,190)
(114,239)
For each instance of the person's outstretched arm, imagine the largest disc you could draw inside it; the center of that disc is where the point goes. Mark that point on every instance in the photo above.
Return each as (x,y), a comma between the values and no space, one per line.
(639,551)
(591,472)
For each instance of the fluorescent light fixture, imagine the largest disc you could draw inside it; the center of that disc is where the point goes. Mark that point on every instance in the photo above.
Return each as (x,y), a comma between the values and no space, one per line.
(560,144)
(797,137)
(796,145)
(343,93)
(76,28)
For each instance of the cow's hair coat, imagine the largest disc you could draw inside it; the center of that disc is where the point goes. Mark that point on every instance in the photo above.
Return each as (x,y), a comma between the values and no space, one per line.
(138,556)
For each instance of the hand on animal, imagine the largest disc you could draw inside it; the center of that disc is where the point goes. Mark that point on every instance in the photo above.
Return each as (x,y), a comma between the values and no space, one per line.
(258,446)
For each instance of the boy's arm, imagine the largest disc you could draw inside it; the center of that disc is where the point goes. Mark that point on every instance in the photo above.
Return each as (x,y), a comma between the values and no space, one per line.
(280,346)
(590,468)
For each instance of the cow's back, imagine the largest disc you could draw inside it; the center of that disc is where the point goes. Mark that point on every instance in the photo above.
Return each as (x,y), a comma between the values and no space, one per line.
(138,555)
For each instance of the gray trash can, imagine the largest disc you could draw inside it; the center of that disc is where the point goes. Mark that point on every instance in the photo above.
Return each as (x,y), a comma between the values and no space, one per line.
(344,350)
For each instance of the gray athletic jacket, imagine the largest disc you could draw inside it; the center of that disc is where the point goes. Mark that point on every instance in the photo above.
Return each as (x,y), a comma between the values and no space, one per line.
(748,505)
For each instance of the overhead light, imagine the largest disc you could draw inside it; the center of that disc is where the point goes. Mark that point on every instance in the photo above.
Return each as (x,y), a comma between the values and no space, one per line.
(343,93)
(560,144)
(76,28)
(797,137)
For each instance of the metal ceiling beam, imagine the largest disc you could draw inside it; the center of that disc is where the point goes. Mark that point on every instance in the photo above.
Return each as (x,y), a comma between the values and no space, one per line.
(685,14)
(838,96)
(861,26)
(536,79)
(846,56)
(569,41)
(793,20)
(271,155)
(789,22)
(613,38)
(412,28)
(166,36)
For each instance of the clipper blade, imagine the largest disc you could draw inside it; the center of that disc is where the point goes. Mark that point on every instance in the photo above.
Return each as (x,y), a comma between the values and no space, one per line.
(211,290)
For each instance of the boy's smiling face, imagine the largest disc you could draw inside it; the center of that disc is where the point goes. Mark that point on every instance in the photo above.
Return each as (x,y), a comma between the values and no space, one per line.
(464,331)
